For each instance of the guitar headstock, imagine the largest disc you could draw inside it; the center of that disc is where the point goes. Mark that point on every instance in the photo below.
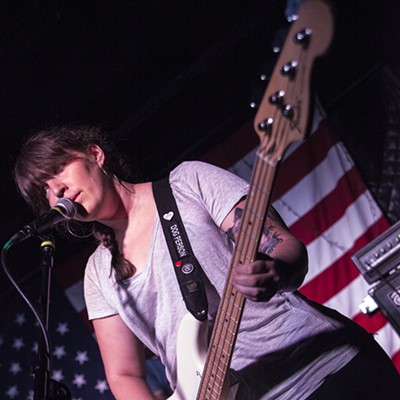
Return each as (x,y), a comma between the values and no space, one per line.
(282,117)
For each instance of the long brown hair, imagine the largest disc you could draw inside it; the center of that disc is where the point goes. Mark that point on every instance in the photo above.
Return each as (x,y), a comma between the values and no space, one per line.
(44,154)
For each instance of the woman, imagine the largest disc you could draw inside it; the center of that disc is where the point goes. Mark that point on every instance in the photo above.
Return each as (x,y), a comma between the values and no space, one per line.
(287,347)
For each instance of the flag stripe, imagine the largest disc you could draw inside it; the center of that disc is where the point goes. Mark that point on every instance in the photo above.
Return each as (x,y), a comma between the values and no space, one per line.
(396,359)
(327,282)
(331,280)
(329,209)
(388,339)
(307,156)
(373,323)
(314,186)
(356,290)
(340,237)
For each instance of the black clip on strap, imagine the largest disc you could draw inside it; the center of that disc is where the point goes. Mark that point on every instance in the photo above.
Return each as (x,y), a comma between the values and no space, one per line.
(186,266)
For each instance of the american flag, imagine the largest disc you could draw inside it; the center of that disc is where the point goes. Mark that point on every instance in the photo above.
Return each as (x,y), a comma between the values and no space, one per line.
(75,357)
(324,201)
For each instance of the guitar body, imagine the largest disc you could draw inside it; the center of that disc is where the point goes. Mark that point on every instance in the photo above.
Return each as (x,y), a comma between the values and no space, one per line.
(191,357)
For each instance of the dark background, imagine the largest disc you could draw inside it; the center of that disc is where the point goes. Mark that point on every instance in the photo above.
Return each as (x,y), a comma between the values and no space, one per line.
(170,80)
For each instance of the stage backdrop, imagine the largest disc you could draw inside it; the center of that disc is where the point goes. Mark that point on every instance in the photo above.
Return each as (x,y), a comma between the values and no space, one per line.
(320,195)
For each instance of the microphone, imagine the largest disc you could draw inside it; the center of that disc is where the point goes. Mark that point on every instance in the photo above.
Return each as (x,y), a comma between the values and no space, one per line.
(64,209)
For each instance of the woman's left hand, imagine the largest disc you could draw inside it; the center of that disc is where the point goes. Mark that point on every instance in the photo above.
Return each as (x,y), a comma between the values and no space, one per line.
(259,280)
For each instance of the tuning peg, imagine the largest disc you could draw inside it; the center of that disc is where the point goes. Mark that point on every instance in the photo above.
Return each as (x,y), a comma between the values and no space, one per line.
(289,69)
(277,98)
(266,125)
(287,111)
(303,36)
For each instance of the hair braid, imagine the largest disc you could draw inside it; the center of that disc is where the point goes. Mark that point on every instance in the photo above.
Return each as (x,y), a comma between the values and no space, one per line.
(122,267)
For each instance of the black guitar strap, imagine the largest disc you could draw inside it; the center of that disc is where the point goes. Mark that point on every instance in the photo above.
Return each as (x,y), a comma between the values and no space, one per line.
(186,266)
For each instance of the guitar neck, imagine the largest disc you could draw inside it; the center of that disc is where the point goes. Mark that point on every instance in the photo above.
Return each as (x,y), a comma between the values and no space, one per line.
(232,302)
(282,119)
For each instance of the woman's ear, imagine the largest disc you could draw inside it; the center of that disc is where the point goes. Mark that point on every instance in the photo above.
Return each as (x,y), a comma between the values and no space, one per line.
(97,153)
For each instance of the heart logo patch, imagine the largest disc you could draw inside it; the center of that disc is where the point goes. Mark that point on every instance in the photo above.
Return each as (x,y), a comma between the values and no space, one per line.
(168,216)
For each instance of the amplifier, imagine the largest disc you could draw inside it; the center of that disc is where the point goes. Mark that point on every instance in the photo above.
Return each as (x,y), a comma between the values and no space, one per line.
(387,296)
(380,256)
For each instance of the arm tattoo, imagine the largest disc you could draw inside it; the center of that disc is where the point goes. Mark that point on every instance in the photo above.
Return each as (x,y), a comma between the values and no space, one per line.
(233,231)
(269,237)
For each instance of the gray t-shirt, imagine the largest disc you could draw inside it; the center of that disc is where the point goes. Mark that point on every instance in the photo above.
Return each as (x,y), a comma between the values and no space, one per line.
(285,347)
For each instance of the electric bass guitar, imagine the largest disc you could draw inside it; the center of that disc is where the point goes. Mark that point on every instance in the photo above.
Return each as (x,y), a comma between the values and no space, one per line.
(282,118)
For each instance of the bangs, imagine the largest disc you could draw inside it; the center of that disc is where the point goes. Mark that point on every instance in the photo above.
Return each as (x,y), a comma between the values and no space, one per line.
(32,173)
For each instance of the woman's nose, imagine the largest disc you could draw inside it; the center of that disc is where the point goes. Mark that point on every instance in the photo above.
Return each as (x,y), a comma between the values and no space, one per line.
(57,188)
(60,192)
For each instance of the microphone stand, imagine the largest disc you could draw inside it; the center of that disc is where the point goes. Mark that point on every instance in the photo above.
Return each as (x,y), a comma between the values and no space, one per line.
(46,388)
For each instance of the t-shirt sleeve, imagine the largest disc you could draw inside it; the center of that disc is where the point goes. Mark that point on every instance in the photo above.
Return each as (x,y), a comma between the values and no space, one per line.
(216,188)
